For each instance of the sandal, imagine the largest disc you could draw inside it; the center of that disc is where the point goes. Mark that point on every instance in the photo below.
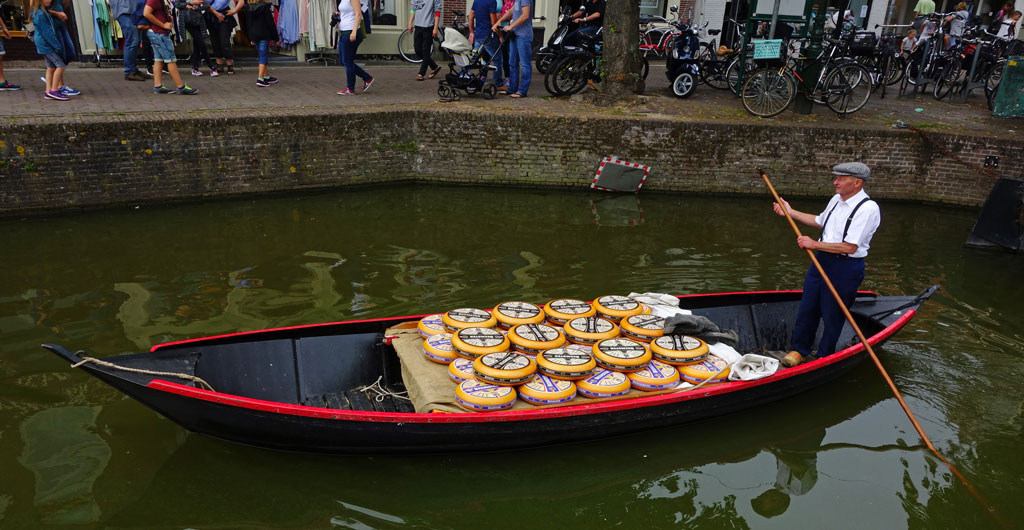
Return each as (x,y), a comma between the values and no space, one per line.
(231,69)
(516,95)
(419,77)
(434,72)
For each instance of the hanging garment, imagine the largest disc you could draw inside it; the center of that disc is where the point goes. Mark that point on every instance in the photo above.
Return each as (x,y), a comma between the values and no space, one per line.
(288,22)
(101,25)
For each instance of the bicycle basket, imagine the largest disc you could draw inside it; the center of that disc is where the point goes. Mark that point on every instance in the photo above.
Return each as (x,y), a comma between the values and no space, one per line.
(862,43)
(769,52)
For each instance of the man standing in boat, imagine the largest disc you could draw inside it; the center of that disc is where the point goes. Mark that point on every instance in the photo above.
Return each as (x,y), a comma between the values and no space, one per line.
(848,223)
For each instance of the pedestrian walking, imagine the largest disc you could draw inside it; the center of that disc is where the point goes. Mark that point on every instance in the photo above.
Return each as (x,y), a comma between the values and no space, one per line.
(192,17)
(262,30)
(351,25)
(4,83)
(220,21)
(49,45)
(424,18)
(124,12)
(163,49)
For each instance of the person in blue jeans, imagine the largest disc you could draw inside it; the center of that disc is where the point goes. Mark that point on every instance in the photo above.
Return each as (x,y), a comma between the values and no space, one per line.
(350,21)
(482,16)
(262,30)
(124,12)
(847,226)
(521,31)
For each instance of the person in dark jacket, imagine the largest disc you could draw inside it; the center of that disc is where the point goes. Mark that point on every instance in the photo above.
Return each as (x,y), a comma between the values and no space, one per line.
(262,30)
(191,16)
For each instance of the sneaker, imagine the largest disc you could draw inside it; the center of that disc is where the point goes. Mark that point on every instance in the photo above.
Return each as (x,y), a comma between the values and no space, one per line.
(270,79)
(262,82)
(54,94)
(7,85)
(367,83)
(214,72)
(149,71)
(196,72)
(185,90)
(135,76)
(346,92)
(161,90)
(68,91)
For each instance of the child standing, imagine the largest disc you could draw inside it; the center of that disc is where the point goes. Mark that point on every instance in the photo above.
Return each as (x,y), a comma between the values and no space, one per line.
(163,49)
(909,42)
(4,83)
(262,30)
(50,47)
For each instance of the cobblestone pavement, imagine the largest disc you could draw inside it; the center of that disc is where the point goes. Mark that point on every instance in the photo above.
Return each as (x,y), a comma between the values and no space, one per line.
(311,89)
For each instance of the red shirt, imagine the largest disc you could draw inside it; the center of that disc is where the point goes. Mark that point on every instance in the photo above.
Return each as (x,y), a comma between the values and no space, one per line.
(160,13)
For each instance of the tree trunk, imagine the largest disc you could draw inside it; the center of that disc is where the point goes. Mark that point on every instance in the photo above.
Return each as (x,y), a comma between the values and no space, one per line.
(621,52)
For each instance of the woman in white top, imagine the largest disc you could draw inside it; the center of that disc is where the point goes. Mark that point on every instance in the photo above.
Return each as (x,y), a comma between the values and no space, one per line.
(350,19)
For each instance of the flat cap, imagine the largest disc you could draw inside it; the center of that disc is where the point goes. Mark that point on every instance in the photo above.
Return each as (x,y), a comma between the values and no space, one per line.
(853,169)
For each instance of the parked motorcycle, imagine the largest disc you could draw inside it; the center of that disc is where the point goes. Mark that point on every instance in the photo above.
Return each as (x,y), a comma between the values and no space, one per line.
(681,65)
(546,55)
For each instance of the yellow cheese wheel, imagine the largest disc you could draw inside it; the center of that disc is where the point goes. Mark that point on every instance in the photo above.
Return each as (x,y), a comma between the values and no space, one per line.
(531,339)
(604,383)
(563,310)
(615,307)
(479,396)
(679,349)
(588,330)
(655,376)
(474,342)
(505,368)
(697,373)
(621,355)
(566,363)
(438,348)
(461,370)
(431,325)
(642,327)
(468,317)
(543,390)
(510,314)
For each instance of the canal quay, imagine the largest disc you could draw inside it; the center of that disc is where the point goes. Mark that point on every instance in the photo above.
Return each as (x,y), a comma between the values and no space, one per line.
(246,208)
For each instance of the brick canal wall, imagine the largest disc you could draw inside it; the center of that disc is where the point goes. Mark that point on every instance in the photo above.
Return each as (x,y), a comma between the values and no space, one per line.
(59,166)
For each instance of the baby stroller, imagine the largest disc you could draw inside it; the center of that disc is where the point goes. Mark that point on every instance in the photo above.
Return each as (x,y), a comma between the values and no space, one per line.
(468,71)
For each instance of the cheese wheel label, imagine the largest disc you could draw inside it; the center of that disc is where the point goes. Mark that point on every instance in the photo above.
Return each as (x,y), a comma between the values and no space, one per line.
(606,378)
(469,315)
(481,337)
(678,342)
(618,303)
(567,357)
(621,348)
(591,325)
(518,310)
(547,385)
(657,370)
(441,342)
(536,332)
(505,361)
(569,306)
(431,325)
(649,322)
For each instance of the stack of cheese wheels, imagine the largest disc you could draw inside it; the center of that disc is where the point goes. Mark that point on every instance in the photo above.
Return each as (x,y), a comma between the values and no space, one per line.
(543,390)
(474,342)
(679,349)
(589,330)
(604,383)
(562,310)
(566,363)
(468,317)
(644,328)
(461,370)
(531,339)
(655,376)
(480,396)
(431,325)
(438,348)
(510,314)
(709,368)
(621,355)
(615,308)
(505,368)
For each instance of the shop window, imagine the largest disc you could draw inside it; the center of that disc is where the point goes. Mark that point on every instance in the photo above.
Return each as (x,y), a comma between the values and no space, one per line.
(15,16)
(386,12)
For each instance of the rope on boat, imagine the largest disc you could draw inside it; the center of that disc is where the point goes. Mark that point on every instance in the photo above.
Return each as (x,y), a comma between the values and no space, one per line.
(379,392)
(194,379)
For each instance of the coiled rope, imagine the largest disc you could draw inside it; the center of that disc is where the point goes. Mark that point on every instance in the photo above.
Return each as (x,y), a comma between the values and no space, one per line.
(93,360)
(379,392)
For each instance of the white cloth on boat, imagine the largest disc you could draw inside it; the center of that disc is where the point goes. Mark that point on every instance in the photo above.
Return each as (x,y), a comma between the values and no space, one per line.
(661,304)
(752,366)
(724,351)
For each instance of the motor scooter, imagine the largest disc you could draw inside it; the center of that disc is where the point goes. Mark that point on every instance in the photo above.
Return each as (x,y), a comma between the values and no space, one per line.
(681,66)
(546,54)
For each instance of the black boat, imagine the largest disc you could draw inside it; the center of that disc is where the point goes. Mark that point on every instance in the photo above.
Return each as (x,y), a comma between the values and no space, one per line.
(336,387)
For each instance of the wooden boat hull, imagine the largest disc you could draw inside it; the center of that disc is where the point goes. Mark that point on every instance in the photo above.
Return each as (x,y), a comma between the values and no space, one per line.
(291,426)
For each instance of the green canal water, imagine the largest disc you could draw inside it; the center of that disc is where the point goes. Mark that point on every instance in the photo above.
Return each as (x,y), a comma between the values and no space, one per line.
(76,454)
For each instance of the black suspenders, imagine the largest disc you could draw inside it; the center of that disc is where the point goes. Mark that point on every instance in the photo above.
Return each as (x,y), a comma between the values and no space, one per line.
(849,220)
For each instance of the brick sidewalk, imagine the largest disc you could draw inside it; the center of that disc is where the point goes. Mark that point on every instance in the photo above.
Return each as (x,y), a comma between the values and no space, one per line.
(308,89)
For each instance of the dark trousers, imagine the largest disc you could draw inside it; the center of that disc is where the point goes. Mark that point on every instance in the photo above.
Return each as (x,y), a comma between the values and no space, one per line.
(423,42)
(347,57)
(147,49)
(198,47)
(220,38)
(505,57)
(817,302)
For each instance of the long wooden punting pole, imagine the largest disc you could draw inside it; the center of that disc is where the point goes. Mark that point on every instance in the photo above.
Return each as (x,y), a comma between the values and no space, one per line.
(874,358)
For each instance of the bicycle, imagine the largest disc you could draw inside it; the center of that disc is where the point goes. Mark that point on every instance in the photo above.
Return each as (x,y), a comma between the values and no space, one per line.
(720,68)
(842,84)
(408,51)
(656,40)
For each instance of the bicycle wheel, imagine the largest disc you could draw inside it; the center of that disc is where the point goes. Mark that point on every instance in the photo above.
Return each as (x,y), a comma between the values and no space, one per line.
(732,74)
(713,73)
(912,69)
(543,61)
(948,79)
(767,92)
(406,48)
(568,75)
(847,88)
(894,70)
(646,68)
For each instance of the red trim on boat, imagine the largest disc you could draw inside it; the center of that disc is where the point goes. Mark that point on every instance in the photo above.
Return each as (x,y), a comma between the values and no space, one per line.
(518,415)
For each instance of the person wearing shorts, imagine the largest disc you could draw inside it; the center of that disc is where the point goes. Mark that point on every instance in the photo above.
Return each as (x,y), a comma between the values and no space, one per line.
(4,83)
(163,49)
